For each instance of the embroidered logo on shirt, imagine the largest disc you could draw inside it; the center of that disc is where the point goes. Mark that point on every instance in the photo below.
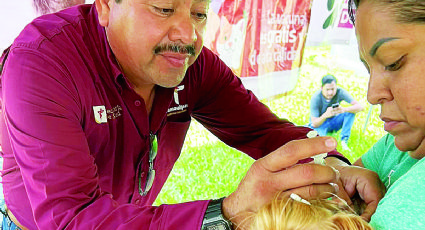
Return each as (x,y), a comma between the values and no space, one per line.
(176,93)
(100,114)
(114,112)
(180,108)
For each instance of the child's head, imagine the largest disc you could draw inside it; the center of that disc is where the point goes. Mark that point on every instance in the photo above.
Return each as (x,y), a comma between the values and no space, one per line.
(289,214)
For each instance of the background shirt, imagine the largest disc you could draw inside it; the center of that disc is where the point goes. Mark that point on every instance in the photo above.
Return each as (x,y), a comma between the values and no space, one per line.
(319,104)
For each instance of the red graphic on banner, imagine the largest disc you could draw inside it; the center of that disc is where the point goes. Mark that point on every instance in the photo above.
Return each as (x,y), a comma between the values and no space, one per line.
(261,41)
(256,37)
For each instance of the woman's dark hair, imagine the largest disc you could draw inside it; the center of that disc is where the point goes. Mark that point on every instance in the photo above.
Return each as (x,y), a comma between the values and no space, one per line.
(352,5)
(405,11)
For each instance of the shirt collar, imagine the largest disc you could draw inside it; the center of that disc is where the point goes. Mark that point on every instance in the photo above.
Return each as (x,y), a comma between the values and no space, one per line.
(109,56)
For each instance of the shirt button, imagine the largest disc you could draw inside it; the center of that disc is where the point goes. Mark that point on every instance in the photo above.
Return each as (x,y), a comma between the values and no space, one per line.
(137,201)
(137,103)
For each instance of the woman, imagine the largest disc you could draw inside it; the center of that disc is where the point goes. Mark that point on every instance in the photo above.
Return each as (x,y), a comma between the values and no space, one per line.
(391,35)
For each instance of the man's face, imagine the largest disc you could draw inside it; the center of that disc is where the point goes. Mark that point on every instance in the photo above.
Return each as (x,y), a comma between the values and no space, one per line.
(329,90)
(155,41)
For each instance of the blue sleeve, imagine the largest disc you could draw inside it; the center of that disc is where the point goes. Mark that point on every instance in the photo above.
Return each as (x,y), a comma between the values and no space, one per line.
(344,95)
(315,105)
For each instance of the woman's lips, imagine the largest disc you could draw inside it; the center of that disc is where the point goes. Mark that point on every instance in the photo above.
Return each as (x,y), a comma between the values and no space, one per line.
(390,125)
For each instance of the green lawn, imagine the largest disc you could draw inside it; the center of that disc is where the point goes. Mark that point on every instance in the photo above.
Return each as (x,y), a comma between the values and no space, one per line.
(209,169)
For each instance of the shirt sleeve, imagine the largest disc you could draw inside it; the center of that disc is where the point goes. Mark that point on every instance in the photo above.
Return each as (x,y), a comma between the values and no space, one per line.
(235,115)
(43,119)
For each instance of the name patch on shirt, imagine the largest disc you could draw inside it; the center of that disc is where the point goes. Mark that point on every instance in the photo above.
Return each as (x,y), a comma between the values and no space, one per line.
(102,115)
(114,112)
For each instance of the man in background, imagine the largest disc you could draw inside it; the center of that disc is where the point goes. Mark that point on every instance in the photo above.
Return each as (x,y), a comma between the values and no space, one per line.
(327,115)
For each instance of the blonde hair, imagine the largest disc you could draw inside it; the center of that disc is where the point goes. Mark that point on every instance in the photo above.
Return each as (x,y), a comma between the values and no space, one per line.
(288,214)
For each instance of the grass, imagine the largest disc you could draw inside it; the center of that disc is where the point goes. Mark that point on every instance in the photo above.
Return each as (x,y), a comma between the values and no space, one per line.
(209,169)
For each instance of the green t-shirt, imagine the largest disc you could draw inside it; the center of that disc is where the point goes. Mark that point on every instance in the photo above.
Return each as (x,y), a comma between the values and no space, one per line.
(403,206)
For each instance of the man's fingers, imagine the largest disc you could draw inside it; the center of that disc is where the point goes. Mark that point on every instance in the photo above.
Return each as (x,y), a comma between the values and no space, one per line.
(317,191)
(343,194)
(290,153)
(302,175)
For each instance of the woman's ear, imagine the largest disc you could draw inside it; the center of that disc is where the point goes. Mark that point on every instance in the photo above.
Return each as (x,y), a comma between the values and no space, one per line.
(102,7)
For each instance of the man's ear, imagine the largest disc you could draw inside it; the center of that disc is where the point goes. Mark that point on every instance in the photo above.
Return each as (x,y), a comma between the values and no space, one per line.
(102,7)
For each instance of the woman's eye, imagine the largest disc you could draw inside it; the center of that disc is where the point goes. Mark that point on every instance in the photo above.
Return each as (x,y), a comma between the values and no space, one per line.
(396,65)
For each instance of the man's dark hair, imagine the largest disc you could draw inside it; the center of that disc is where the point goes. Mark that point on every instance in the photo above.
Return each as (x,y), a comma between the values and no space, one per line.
(328,79)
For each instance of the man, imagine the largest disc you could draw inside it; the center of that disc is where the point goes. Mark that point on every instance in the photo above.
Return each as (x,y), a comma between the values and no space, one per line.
(97,102)
(327,115)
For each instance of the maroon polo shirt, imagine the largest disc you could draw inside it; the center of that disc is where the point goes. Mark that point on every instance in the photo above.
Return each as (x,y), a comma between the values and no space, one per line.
(77,135)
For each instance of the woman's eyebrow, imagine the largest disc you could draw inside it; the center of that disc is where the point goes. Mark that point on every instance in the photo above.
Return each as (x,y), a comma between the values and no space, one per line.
(378,44)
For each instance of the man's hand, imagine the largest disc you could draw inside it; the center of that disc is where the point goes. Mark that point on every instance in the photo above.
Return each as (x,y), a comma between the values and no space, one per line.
(362,183)
(329,113)
(278,173)
(337,110)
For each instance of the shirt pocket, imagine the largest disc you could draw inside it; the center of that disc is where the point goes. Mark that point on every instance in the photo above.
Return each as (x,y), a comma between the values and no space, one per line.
(171,139)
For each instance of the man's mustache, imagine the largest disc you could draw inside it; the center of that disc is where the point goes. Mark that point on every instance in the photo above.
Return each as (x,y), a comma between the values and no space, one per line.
(176,48)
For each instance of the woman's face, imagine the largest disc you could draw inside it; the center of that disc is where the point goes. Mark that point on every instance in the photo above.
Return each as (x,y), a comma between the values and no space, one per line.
(394,54)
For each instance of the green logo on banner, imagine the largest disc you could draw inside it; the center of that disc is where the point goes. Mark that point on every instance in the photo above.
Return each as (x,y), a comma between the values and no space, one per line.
(334,9)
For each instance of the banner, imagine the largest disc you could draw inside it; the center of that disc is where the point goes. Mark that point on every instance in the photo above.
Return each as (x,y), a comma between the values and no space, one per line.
(330,23)
(261,41)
